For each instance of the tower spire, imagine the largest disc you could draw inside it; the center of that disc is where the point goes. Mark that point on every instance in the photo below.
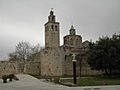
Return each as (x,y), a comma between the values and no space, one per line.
(72,27)
(72,30)
(51,17)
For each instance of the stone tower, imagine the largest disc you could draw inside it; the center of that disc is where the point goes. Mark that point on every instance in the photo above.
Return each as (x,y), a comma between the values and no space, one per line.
(72,42)
(52,56)
(52,32)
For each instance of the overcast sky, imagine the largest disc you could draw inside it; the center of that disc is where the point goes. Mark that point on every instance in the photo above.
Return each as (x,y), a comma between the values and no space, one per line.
(23,20)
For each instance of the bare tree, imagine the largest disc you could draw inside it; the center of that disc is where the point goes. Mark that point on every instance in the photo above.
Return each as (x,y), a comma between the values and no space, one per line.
(24,51)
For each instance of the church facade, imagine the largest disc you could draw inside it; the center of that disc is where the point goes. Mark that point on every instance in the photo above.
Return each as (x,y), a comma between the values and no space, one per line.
(53,60)
(56,60)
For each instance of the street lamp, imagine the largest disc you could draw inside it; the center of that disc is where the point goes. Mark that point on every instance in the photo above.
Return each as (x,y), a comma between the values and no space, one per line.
(74,69)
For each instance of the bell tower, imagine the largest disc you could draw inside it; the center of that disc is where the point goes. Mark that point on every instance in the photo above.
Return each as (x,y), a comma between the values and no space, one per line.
(51,32)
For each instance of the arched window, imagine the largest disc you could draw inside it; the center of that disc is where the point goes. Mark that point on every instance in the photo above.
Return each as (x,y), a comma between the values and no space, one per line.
(52,26)
(55,28)
(71,41)
(53,18)
(77,41)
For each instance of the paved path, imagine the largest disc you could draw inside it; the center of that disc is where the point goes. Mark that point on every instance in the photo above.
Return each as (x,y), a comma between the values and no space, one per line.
(28,82)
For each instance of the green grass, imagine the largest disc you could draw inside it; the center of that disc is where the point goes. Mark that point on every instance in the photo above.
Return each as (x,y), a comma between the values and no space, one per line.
(89,80)
(94,80)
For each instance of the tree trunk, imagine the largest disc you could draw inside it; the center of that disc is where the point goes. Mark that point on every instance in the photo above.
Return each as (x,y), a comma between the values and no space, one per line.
(110,71)
(106,72)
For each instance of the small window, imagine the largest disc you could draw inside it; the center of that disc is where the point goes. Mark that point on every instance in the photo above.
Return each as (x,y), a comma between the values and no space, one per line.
(53,18)
(71,41)
(77,42)
(56,28)
(52,27)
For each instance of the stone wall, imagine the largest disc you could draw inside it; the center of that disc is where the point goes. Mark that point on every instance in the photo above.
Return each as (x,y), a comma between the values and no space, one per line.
(32,68)
(85,68)
(7,67)
(69,66)
(52,61)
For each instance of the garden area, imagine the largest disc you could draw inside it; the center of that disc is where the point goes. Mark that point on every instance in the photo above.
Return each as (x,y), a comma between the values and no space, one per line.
(93,80)
(96,80)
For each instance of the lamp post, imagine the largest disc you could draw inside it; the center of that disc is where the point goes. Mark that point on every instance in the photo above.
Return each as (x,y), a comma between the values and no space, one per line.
(74,69)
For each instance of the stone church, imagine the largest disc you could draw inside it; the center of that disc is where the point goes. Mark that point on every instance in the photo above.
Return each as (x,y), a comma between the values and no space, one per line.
(53,60)
(56,60)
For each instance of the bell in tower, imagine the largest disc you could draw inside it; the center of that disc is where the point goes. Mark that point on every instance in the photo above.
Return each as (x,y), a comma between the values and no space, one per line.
(51,17)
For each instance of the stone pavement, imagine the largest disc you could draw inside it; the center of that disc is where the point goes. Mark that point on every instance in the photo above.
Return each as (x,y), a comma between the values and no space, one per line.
(27,82)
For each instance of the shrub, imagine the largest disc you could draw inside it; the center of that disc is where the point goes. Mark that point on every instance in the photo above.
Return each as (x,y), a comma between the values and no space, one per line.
(11,76)
(5,77)
(56,79)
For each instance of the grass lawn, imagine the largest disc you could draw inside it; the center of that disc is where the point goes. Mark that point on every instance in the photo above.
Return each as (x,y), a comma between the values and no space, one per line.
(89,80)
(94,80)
